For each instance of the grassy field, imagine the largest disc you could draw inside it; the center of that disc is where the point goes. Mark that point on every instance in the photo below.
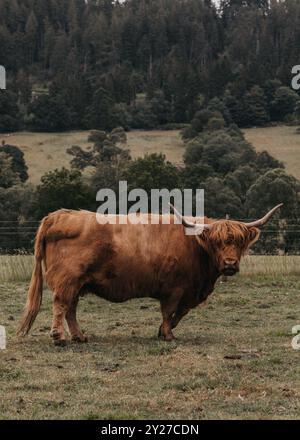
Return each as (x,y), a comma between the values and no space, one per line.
(47,151)
(18,268)
(282,142)
(232,358)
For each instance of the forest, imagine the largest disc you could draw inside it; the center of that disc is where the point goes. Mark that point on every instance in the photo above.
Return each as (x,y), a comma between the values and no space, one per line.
(98,64)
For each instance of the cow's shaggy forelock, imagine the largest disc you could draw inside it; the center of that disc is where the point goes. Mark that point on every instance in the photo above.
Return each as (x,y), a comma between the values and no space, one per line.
(226,232)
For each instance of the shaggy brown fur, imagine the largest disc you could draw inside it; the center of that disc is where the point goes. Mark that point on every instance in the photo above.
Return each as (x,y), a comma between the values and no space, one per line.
(121,262)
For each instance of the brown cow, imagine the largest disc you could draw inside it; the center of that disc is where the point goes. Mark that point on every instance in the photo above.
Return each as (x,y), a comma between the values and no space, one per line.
(121,262)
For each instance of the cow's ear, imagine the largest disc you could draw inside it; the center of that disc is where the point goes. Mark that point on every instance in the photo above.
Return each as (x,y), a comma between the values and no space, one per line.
(253,236)
(203,240)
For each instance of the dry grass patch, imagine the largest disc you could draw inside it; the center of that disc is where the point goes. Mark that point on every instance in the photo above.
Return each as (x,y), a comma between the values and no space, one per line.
(281,142)
(47,151)
(232,359)
(271,265)
(168,142)
(15,267)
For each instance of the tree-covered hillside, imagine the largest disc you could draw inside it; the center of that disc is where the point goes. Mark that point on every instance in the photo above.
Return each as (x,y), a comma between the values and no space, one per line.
(145,63)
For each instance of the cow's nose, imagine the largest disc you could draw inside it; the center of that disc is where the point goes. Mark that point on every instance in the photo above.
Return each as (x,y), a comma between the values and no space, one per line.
(230,262)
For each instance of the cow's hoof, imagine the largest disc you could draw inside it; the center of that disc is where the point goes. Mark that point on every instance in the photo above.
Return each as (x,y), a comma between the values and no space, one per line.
(80,339)
(168,338)
(60,342)
(55,334)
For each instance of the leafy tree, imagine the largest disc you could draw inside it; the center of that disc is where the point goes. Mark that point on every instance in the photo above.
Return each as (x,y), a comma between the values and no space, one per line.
(194,151)
(61,189)
(9,111)
(152,171)
(8,177)
(215,123)
(108,175)
(121,115)
(264,161)
(241,179)
(284,103)
(49,113)
(143,116)
(18,162)
(31,31)
(99,115)
(194,175)
(273,187)
(255,105)
(15,208)
(235,106)
(218,105)
(161,108)
(107,148)
(297,110)
(16,204)
(270,87)
(225,153)
(220,200)
(200,120)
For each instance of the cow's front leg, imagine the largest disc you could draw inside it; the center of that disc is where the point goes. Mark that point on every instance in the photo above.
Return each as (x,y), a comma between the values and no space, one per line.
(178,315)
(165,330)
(168,308)
(59,313)
(175,319)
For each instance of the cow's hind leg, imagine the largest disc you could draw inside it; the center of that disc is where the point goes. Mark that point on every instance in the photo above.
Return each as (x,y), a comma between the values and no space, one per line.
(60,308)
(75,331)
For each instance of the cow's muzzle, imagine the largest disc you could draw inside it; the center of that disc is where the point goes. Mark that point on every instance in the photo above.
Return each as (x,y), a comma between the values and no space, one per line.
(230,271)
(230,268)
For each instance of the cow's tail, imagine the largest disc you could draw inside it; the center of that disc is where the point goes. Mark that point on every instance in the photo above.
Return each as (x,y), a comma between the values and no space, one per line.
(34,298)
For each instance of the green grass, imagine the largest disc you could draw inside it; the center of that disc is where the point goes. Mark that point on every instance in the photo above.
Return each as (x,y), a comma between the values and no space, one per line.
(232,358)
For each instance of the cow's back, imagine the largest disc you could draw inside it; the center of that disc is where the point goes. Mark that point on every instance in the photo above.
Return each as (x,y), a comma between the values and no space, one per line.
(118,261)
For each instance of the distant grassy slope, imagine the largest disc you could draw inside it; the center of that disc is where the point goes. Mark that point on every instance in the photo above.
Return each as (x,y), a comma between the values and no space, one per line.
(282,142)
(157,141)
(47,151)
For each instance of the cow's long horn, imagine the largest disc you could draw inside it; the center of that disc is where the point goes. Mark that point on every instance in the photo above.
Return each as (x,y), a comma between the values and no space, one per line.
(187,223)
(265,219)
